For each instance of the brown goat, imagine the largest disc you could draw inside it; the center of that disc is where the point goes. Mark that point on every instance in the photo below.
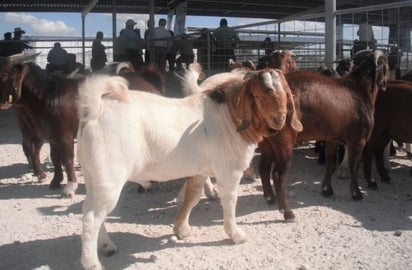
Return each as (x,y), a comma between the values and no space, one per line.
(393,112)
(334,110)
(45,108)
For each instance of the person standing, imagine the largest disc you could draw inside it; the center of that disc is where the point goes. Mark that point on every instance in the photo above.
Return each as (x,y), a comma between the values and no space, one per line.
(205,48)
(162,42)
(19,45)
(185,48)
(99,57)
(133,43)
(366,37)
(6,45)
(57,58)
(226,40)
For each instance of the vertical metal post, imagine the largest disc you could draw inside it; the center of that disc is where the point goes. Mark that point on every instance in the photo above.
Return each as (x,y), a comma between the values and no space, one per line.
(330,32)
(83,40)
(114,26)
(151,30)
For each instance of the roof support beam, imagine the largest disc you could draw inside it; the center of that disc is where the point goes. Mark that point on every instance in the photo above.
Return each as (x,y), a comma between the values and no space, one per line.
(85,11)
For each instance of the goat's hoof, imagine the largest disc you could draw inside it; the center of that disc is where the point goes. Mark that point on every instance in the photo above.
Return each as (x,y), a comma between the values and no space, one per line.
(357,195)
(182,231)
(327,191)
(239,237)
(70,189)
(270,199)
(54,185)
(289,216)
(108,249)
(41,177)
(141,189)
(385,178)
(372,184)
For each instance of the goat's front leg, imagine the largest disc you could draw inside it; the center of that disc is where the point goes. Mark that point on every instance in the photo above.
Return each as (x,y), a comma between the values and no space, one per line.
(265,167)
(283,159)
(227,186)
(188,198)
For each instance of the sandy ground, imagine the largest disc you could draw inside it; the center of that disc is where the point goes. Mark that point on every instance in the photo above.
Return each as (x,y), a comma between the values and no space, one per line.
(41,230)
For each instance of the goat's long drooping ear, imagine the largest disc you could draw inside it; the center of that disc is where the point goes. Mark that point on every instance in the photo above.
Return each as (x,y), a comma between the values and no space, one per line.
(382,69)
(295,122)
(243,109)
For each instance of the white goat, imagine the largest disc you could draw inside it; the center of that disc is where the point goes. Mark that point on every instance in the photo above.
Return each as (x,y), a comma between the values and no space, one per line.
(136,136)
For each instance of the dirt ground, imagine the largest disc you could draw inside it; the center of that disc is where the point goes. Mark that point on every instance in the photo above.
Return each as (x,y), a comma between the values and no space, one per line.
(41,230)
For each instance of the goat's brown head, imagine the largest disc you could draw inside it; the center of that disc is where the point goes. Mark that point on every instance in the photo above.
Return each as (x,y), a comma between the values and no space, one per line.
(378,64)
(283,60)
(260,105)
(12,73)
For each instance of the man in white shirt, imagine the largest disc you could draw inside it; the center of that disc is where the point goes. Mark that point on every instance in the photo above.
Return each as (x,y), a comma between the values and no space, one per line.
(162,41)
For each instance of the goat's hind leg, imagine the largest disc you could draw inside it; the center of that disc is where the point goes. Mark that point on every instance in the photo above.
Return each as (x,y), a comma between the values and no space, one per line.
(331,150)
(355,153)
(57,163)
(188,198)
(99,202)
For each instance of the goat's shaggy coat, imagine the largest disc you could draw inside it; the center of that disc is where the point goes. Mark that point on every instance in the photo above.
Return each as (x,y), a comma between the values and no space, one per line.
(127,135)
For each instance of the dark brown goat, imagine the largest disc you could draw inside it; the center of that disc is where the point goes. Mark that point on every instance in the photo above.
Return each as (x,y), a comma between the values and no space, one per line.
(46,110)
(334,110)
(393,112)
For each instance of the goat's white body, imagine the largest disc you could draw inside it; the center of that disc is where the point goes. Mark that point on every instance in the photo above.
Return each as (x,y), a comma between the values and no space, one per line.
(153,138)
(156,138)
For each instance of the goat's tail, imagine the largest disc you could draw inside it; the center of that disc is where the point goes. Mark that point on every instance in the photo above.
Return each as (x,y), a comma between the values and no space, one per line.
(97,88)
(190,79)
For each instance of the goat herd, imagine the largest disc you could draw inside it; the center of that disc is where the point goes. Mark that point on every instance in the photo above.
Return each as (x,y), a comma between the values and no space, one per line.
(214,131)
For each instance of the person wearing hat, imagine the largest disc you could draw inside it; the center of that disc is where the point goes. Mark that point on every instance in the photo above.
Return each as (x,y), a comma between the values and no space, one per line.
(133,44)
(18,44)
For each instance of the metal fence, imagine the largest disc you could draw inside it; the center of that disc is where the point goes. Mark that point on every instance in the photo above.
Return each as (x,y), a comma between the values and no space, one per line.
(304,36)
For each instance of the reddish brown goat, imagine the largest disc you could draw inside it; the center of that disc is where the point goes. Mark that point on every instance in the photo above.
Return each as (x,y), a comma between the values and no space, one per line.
(46,110)
(393,112)
(334,110)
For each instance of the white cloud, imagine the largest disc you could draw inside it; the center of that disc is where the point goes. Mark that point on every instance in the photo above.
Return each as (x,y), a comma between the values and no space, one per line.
(38,26)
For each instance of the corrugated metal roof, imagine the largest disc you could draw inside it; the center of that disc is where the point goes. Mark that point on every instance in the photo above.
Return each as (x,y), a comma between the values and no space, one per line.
(264,9)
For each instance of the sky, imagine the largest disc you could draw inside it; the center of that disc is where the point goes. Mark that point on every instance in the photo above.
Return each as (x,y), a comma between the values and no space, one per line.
(58,24)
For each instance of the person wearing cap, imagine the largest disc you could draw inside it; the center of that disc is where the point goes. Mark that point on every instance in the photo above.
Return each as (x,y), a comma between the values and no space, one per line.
(18,44)
(99,56)
(225,39)
(162,42)
(133,44)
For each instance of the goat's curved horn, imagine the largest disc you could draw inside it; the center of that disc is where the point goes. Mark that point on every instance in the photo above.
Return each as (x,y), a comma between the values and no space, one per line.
(267,80)
(272,80)
(22,57)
